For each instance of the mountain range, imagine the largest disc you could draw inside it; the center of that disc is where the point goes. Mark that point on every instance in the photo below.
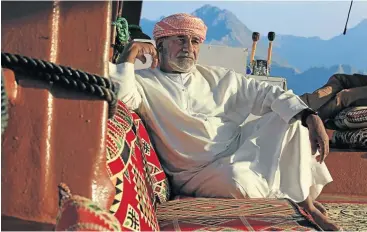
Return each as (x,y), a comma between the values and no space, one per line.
(306,63)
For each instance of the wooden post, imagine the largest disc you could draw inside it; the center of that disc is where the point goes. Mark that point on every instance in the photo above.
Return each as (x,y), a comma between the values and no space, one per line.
(131,11)
(54,135)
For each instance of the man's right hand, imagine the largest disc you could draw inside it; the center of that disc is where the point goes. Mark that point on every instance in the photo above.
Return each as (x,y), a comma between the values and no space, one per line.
(137,50)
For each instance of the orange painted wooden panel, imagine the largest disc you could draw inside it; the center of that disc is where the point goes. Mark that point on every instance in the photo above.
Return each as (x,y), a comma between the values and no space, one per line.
(54,134)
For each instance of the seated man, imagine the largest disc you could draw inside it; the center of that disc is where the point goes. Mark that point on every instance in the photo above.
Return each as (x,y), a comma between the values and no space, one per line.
(195,114)
(340,92)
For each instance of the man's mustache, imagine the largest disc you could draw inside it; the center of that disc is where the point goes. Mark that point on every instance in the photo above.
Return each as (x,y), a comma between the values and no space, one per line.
(186,55)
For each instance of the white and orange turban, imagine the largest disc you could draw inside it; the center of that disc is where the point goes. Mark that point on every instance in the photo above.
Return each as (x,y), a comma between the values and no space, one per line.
(180,24)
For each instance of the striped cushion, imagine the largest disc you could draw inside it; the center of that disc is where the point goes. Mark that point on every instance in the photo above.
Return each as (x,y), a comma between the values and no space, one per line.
(351,118)
(350,139)
(4,105)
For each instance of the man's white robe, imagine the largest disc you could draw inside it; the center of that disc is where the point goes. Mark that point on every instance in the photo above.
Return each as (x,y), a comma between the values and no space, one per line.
(196,121)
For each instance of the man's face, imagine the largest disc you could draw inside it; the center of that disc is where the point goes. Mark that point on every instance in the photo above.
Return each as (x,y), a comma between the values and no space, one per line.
(179,53)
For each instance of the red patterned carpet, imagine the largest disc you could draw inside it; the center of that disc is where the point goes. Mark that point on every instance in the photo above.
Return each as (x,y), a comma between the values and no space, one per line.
(205,214)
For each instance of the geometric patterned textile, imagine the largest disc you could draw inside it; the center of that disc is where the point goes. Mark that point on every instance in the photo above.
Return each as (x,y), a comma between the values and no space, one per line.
(159,180)
(78,213)
(211,214)
(134,203)
(351,118)
(350,139)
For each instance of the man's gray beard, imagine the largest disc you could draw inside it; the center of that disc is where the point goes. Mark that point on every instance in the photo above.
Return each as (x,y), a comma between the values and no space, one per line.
(182,66)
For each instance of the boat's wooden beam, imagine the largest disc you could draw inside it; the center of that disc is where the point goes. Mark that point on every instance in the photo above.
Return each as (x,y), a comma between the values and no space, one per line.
(131,11)
(53,135)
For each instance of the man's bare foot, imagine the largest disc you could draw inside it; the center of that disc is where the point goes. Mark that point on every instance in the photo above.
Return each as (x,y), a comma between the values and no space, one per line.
(320,207)
(323,221)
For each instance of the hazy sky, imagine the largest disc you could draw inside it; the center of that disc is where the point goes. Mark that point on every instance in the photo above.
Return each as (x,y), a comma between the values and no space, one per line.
(325,19)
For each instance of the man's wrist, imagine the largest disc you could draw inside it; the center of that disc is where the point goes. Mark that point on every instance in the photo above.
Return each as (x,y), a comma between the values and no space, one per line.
(129,54)
(305,114)
(130,58)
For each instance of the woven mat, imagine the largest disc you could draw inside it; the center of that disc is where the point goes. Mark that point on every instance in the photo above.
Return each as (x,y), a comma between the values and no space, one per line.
(350,216)
(204,214)
(349,212)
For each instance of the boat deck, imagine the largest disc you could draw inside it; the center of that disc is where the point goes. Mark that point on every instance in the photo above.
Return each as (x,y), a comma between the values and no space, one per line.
(348,167)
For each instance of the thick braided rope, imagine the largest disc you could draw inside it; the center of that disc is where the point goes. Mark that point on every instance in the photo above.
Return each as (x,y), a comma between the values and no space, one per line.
(8,59)
(65,76)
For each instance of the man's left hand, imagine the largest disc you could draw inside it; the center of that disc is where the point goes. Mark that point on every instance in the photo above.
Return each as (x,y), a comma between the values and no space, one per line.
(318,136)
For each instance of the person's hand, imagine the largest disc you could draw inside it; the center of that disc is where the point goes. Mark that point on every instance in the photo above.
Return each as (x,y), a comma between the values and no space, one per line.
(318,136)
(137,50)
